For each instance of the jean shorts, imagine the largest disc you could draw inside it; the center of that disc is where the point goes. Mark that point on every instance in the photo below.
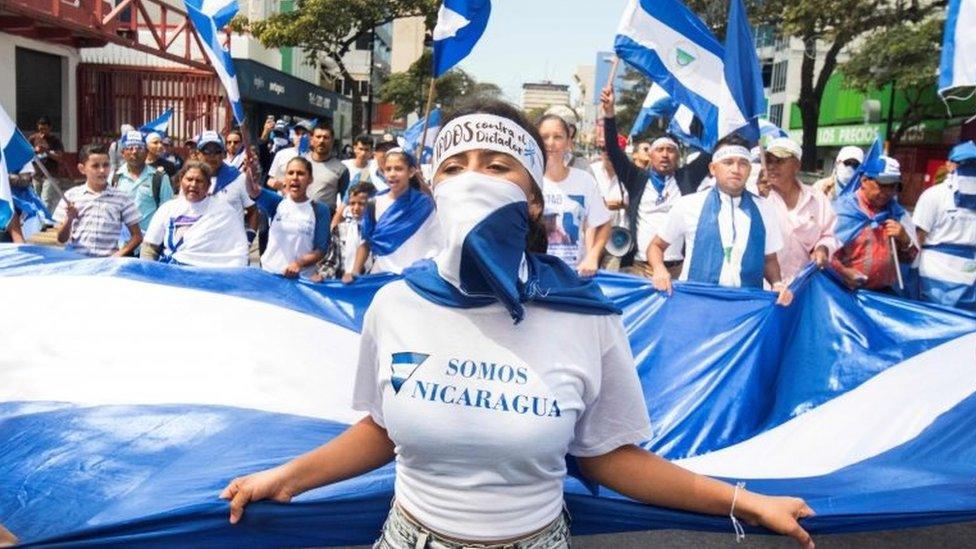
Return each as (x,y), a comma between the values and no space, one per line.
(402,532)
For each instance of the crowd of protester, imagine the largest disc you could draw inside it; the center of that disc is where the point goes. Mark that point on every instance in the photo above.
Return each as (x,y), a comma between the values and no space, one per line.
(291,205)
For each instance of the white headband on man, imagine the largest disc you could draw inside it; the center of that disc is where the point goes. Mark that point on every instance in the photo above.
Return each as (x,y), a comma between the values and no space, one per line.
(490,132)
(664,141)
(729,151)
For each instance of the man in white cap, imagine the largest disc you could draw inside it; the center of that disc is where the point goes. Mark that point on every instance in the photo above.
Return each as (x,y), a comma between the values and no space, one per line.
(848,160)
(146,186)
(731,236)
(805,216)
(868,219)
(276,173)
(115,149)
(945,221)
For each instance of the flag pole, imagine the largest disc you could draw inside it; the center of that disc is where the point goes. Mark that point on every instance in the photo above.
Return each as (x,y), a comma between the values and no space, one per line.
(894,257)
(47,175)
(430,104)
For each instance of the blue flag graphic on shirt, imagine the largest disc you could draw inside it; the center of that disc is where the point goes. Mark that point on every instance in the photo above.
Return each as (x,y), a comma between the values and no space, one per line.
(403,366)
(460,24)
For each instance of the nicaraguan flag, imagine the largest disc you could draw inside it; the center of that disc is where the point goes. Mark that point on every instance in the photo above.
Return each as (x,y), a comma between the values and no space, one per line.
(768,129)
(687,128)
(958,66)
(414,134)
(403,365)
(160,125)
(742,72)
(17,151)
(671,46)
(208,18)
(862,403)
(460,24)
(657,104)
(6,197)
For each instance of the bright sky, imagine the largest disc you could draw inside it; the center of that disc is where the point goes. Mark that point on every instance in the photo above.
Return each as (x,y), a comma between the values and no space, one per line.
(534,40)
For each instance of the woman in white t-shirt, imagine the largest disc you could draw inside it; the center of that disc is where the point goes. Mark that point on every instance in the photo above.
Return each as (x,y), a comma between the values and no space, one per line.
(196,228)
(298,231)
(577,220)
(478,411)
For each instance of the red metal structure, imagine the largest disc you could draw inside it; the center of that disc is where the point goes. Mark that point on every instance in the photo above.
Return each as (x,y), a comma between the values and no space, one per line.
(111,95)
(166,30)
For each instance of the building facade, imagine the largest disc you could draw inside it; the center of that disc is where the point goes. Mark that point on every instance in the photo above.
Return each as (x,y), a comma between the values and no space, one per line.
(542,95)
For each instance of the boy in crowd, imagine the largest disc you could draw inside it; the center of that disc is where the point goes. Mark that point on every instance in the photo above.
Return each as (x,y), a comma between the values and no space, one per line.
(92,215)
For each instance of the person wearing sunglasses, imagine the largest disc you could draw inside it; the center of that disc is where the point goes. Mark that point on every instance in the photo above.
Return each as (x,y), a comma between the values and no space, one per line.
(849,159)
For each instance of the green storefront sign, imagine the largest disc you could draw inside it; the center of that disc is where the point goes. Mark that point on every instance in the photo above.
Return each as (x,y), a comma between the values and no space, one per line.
(839,136)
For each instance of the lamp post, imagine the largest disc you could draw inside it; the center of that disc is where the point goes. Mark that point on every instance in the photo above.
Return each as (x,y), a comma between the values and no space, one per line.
(369,83)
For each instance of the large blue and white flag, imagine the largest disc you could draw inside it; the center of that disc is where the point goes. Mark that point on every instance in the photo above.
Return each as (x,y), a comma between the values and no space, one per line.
(17,151)
(687,128)
(768,129)
(6,197)
(806,401)
(208,18)
(669,44)
(414,134)
(160,125)
(460,24)
(742,72)
(657,104)
(958,66)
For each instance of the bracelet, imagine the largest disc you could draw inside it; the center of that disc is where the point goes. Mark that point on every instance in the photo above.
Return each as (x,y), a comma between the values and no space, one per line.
(740,533)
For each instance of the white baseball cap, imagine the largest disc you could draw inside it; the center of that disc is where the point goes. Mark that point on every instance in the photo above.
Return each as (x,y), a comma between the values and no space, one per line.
(784,147)
(885,170)
(850,153)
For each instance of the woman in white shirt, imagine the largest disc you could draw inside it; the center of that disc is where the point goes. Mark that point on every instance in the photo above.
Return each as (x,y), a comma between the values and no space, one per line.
(479,412)
(577,220)
(298,232)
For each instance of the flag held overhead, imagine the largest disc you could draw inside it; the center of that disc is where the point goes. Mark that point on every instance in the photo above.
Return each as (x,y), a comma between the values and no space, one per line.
(460,24)
(958,66)
(208,17)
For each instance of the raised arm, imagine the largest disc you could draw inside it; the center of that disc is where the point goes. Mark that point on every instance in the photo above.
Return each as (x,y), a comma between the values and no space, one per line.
(627,172)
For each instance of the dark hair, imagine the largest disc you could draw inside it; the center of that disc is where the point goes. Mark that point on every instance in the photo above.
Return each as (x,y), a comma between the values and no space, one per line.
(46,120)
(414,181)
(364,140)
(305,162)
(325,126)
(194,165)
(561,120)
(90,149)
(234,130)
(732,139)
(364,187)
(533,241)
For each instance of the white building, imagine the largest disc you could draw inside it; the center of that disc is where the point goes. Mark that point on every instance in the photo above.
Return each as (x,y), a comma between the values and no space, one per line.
(542,95)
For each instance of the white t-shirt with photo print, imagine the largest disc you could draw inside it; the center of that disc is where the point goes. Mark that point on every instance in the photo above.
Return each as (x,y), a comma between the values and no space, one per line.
(483,412)
(571,207)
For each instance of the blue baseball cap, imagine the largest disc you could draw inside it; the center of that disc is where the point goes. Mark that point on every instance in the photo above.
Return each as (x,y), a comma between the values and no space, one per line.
(133,139)
(963,153)
(209,137)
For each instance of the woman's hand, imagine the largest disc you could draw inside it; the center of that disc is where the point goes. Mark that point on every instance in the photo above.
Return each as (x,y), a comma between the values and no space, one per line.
(778,514)
(270,484)
(785,296)
(348,278)
(662,281)
(587,267)
(292,270)
(820,257)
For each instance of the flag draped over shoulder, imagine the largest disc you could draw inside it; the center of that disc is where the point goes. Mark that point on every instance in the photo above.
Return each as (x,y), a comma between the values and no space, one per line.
(807,401)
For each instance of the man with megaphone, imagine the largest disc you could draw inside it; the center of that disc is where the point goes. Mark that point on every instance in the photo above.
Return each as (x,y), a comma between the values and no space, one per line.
(651,191)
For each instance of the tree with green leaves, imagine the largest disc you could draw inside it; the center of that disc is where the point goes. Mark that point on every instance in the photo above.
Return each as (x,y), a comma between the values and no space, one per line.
(408,90)
(328,29)
(904,57)
(826,28)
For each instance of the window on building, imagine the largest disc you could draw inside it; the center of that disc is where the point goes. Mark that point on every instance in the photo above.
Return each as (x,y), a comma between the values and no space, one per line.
(779,76)
(776,114)
(765,36)
(767,74)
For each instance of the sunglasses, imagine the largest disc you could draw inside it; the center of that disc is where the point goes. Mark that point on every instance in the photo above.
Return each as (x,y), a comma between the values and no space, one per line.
(211,151)
(851,163)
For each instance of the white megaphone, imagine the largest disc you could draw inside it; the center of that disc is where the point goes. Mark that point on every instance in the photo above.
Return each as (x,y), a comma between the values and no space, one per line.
(621,241)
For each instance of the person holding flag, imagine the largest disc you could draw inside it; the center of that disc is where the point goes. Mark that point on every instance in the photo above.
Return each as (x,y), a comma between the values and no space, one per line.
(731,236)
(878,235)
(945,221)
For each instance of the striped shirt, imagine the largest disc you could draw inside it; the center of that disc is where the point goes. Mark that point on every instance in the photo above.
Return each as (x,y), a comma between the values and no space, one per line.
(101,216)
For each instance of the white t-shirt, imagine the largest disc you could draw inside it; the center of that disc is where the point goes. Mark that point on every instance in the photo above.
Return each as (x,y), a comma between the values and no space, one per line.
(682,223)
(291,234)
(280,160)
(936,214)
(572,206)
(351,238)
(481,424)
(208,233)
(235,194)
(356,174)
(652,213)
(612,191)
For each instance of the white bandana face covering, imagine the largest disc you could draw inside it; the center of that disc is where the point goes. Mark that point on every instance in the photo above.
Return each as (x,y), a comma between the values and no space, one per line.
(489,132)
